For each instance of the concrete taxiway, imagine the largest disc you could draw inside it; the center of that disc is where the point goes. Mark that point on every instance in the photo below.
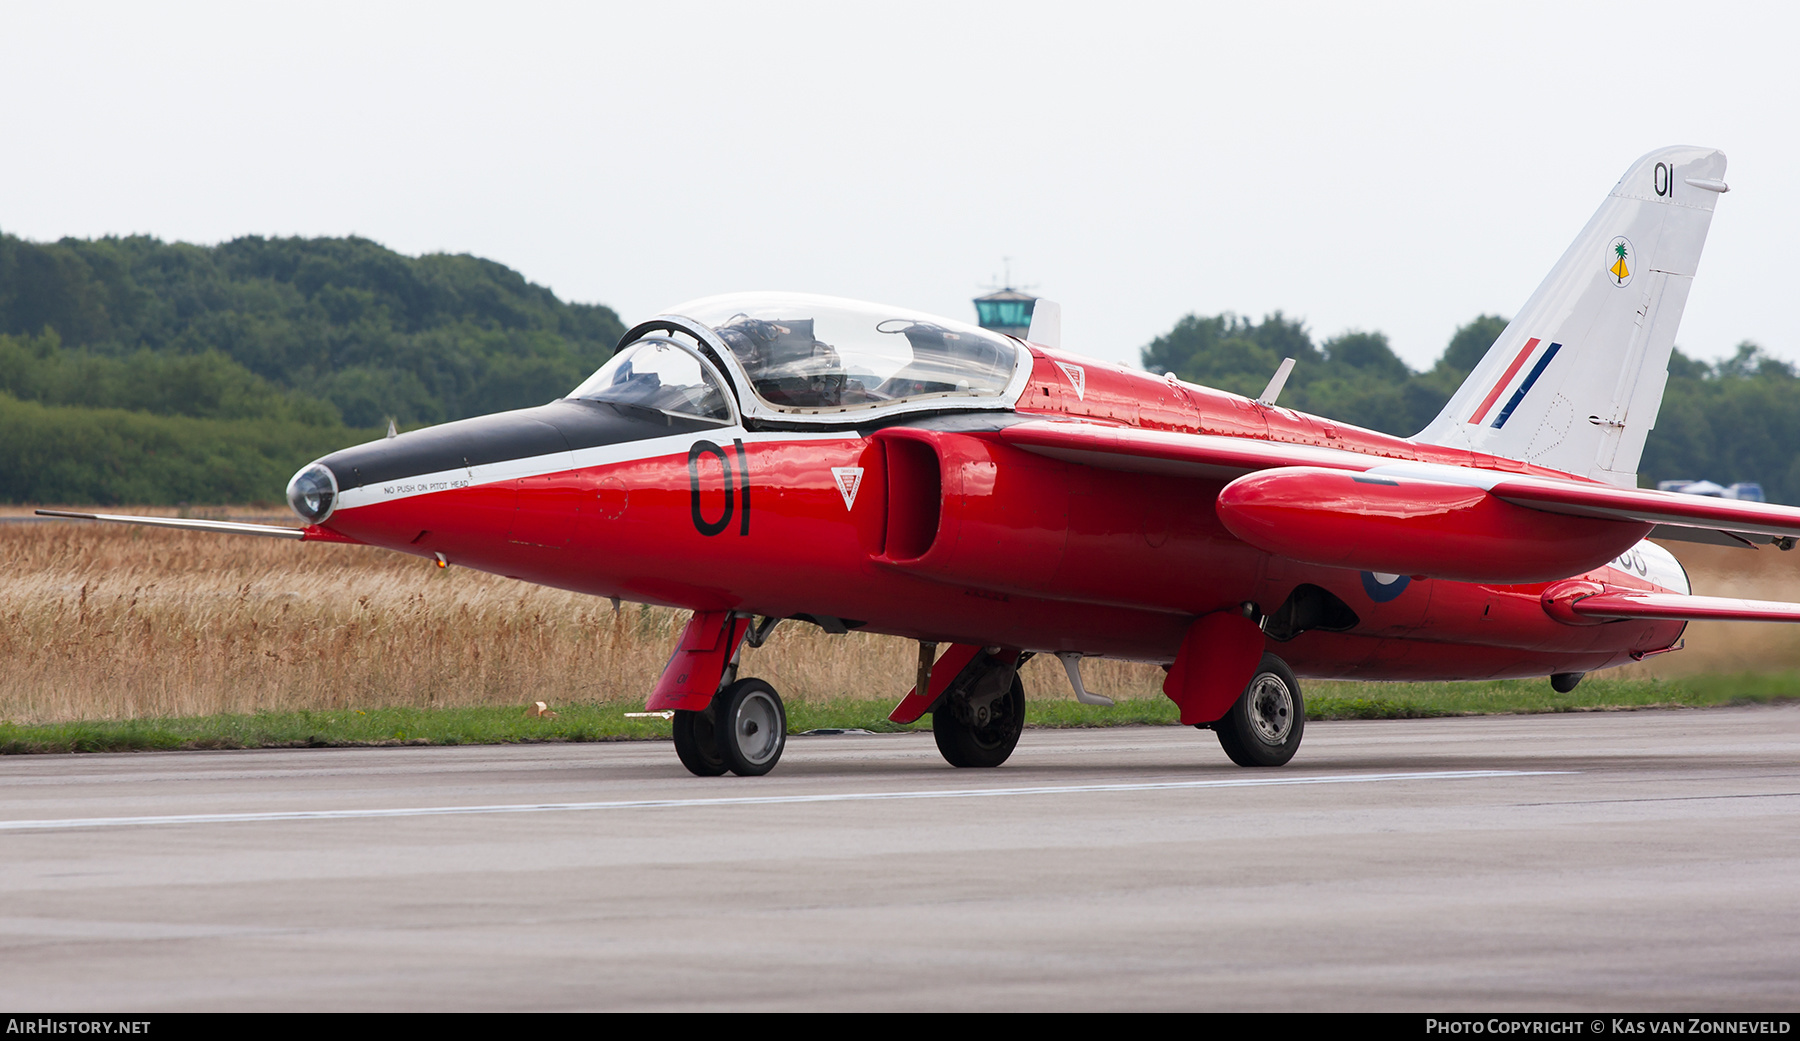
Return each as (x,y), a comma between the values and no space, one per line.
(1606,861)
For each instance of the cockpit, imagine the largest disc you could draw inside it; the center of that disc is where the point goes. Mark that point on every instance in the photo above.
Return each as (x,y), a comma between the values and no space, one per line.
(806,355)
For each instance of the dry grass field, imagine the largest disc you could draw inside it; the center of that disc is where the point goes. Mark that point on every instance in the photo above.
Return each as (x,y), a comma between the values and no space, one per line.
(101,621)
(111,622)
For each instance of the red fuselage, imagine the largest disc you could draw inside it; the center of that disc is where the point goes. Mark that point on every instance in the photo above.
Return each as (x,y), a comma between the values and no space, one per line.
(934,528)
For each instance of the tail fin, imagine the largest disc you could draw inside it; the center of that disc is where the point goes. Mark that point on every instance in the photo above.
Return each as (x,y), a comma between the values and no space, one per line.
(1575,382)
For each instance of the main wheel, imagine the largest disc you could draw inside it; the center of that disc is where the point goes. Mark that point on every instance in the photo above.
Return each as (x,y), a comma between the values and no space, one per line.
(697,742)
(980,734)
(752,727)
(1263,727)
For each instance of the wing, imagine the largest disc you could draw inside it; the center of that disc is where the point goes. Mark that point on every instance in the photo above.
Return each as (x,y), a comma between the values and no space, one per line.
(1580,499)
(1673,514)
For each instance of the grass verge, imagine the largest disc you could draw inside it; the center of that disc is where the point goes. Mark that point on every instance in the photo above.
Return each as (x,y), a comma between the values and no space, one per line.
(606,721)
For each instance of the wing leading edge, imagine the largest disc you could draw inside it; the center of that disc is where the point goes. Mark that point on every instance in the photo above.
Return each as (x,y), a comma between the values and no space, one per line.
(1166,452)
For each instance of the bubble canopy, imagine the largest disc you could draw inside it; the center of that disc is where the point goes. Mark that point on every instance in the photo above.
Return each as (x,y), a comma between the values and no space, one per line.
(820,354)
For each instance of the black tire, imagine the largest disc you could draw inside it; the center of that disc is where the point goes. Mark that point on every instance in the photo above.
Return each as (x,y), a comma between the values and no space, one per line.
(697,742)
(752,728)
(1263,728)
(963,742)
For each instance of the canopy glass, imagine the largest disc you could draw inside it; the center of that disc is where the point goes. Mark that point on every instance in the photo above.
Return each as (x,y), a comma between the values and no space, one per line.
(825,354)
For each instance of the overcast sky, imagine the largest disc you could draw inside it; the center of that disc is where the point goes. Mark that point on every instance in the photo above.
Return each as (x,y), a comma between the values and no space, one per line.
(1393,167)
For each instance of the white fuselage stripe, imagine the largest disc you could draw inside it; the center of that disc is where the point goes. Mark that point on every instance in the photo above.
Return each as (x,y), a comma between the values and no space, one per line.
(761,800)
(557,462)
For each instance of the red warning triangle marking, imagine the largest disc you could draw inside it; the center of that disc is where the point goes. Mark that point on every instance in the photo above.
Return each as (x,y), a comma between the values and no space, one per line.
(1077,377)
(849,479)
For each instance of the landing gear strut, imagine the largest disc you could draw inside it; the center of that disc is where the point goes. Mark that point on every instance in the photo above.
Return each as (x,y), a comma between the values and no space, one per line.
(979,719)
(1263,727)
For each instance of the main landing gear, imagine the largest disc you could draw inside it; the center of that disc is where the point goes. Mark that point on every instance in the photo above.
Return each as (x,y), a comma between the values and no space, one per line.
(979,719)
(1263,727)
(744,731)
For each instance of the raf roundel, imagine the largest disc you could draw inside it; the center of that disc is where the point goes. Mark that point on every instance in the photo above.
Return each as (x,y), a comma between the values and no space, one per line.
(1383,587)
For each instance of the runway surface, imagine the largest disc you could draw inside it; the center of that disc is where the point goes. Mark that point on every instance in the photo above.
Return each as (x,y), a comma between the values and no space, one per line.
(1606,861)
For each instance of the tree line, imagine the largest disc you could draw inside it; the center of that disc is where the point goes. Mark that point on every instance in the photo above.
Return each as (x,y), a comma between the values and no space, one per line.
(1737,419)
(138,371)
(134,370)
(1355,377)
(345,321)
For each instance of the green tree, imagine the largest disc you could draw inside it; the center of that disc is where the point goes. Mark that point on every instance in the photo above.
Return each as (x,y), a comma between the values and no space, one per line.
(1471,343)
(133,370)
(371,331)
(1734,420)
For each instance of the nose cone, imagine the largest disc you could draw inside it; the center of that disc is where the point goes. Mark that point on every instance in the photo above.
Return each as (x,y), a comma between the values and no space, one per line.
(313,493)
(455,479)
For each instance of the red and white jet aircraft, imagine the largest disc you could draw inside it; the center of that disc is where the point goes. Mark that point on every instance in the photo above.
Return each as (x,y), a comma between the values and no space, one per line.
(771,456)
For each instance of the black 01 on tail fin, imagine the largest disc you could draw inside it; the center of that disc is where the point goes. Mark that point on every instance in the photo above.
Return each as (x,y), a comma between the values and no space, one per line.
(1575,382)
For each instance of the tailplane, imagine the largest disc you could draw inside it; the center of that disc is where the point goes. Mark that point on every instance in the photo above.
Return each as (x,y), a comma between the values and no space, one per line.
(1575,382)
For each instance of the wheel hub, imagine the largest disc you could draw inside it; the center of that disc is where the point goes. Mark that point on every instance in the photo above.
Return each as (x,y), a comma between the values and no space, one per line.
(1271,709)
(756,728)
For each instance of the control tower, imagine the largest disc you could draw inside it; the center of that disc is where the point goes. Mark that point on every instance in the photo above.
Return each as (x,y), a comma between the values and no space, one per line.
(1007,311)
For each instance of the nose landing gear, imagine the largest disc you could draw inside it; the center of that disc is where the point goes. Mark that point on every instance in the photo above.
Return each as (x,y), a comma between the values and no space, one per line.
(722,724)
(743,731)
(697,741)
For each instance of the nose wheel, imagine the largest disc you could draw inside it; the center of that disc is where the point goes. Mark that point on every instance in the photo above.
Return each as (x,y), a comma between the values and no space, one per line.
(752,727)
(743,731)
(697,741)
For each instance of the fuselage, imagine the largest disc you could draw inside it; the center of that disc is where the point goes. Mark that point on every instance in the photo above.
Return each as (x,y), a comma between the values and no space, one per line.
(917,519)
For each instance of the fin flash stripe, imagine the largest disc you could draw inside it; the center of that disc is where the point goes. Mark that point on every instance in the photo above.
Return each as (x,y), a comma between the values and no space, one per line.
(1511,371)
(1525,388)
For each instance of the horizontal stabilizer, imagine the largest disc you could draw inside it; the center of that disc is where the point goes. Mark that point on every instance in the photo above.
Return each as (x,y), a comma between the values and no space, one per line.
(1676,606)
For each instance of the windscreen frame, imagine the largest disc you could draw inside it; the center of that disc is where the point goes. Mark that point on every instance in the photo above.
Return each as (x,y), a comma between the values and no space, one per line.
(752,408)
(704,353)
